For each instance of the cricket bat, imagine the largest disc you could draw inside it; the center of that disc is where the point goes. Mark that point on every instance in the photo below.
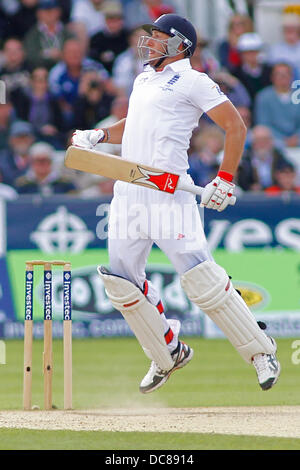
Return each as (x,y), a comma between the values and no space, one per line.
(111,166)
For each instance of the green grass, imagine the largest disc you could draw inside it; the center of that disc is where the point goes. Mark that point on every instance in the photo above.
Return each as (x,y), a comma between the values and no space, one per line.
(107,372)
(12,439)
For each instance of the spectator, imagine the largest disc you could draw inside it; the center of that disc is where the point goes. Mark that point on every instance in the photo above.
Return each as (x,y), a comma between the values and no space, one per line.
(40,177)
(64,78)
(260,161)
(285,180)
(138,12)
(228,53)
(14,160)
(274,107)
(233,88)
(23,19)
(252,73)
(288,50)
(203,60)
(7,192)
(37,105)
(206,146)
(106,45)
(128,65)
(102,187)
(93,103)
(119,109)
(7,116)
(15,70)
(44,41)
(87,19)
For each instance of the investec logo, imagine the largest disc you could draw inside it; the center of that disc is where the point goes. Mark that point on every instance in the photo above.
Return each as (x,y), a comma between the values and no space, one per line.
(67,296)
(28,296)
(47,296)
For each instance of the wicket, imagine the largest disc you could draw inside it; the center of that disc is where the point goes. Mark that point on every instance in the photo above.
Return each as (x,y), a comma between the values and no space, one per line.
(67,333)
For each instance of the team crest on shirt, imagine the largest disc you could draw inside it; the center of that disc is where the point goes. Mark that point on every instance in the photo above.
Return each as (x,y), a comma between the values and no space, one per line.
(170,83)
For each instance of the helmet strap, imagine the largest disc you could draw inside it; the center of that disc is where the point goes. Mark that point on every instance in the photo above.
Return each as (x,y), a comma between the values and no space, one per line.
(158,63)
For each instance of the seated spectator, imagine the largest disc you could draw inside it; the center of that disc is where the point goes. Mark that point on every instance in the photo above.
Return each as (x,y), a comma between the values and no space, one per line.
(138,12)
(7,192)
(228,54)
(86,20)
(288,50)
(37,105)
(285,180)
(40,177)
(259,162)
(102,187)
(119,109)
(7,116)
(203,59)
(274,108)
(14,161)
(128,65)
(251,72)
(23,19)
(15,70)
(44,41)
(93,103)
(205,147)
(65,77)
(106,45)
(233,88)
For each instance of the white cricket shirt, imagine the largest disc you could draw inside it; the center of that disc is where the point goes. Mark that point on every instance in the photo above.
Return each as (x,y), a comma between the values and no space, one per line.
(164,108)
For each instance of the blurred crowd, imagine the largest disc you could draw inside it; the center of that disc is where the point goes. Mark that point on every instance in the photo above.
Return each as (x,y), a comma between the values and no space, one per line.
(71,64)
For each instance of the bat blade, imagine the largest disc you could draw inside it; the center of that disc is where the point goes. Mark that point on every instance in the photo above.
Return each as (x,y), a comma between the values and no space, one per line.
(116,168)
(110,166)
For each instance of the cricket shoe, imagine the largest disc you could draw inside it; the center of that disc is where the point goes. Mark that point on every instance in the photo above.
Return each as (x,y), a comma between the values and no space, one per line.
(156,377)
(267,368)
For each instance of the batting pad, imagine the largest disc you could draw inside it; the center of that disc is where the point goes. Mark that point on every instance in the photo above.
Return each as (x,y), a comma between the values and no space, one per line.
(142,317)
(209,287)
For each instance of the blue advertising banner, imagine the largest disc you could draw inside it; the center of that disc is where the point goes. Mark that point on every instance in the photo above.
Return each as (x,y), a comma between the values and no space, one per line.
(6,300)
(70,224)
(245,237)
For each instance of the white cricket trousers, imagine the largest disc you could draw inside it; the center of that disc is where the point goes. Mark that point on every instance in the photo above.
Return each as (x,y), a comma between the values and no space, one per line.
(140,217)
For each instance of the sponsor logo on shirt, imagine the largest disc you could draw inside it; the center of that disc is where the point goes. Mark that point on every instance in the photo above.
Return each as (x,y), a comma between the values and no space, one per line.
(218,89)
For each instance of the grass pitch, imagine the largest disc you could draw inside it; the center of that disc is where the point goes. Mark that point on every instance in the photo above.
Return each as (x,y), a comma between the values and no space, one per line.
(106,374)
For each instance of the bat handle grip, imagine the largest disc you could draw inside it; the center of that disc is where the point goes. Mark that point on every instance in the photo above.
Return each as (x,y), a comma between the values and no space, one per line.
(198,190)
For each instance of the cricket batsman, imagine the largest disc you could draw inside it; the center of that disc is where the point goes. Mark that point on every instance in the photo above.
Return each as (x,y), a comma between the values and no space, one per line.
(166,103)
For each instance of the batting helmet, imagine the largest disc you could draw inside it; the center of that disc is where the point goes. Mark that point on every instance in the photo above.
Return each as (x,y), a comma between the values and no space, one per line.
(178,28)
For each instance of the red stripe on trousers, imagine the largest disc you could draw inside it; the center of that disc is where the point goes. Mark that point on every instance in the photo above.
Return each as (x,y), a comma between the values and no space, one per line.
(169,335)
(146,288)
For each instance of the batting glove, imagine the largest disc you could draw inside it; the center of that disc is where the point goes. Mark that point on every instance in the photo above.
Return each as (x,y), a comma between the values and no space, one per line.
(87,139)
(217,194)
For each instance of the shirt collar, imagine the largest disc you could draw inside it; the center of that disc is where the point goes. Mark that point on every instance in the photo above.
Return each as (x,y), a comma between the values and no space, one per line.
(177,66)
